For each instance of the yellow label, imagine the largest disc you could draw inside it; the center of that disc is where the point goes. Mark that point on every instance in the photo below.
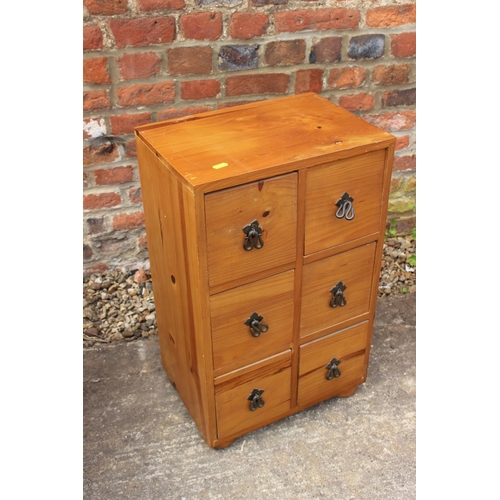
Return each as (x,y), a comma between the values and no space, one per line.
(220,165)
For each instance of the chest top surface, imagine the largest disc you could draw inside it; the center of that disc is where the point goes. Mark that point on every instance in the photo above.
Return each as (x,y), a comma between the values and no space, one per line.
(252,140)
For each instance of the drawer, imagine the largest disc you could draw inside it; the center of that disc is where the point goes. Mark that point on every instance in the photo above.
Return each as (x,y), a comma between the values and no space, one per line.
(361,178)
(273,204)
(354,270)
(233,340)
(270,378)
(316,381)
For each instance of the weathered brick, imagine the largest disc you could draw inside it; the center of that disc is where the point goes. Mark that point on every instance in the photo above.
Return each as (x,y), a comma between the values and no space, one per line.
(140,32)
(95,269)
(135,195)
(200,89)
(168,114)
(218,2)
(116,175)
(269,2)
(95,70)
(396,15)
(151,5)
(321,19)
(99,156)
(402,142)
(103,200)
(404,163)
(238,57)
(395,184)
(246,25)
(346,78)
(139,65)
(131,149)
(86,180)
(92,38)
(146,94)
(190,61)
(93,127)
(128,221)
(276,83)
(106,7)
(285,52)
(406,97)
(366,47)
(392,122)
(202,25)
(96,99)
(309,80)
(143,242)
(404,44)
(326,50)
(125,124)
(391,75)
(96,225)
(87,252)
(357,102)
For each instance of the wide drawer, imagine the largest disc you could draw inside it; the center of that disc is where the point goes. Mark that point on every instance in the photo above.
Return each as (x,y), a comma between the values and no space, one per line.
(361,178)
(322,306)
(254,395)
(236,337)
(230,227)
(332,364)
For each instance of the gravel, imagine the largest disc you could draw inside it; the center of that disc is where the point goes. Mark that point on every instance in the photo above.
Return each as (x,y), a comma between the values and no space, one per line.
(118,306)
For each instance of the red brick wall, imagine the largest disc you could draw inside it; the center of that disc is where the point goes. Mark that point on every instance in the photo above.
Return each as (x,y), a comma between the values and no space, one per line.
(150,60)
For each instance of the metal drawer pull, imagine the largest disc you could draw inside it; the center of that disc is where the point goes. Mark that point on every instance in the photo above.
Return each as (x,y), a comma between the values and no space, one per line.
(333,369)
(338,298)
(257,326)
(253,236)
(256,400)
(346,208)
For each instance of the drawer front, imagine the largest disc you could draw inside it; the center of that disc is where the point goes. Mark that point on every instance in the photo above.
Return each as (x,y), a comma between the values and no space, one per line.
(236,336)
(323,309)
(332,363)
(270,378)
(328,225)
(233,252)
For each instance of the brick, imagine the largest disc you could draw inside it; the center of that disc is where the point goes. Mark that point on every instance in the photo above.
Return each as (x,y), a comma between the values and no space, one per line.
(135,195)
(269,2)
(346,78)
(404,44)
(200,89)
(96,225)
(139,65)
(95,269)
(92,38)
(326,50)
(395,184)
(404,163)
(396,15)
(131,149)
(116,175)
(152,5)
(99,156)
(106,7)
(87,252)
(140,32)
(168,114)
(391,75)
(146,94)
(392,122)
(190,61)
(103,200)
(202,25)
(402,142)
(95,70)
(125,124)
(96,99)
(93,127)
(143,243)
(128,221)
(321,19)
(218,2)
(257,84)
(238,57)
(246,25)
(358,102)
(285,52)
(309,80)
(406,97)
(366,47)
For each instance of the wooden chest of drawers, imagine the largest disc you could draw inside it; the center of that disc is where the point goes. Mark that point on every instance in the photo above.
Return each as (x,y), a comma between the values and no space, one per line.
(265,224)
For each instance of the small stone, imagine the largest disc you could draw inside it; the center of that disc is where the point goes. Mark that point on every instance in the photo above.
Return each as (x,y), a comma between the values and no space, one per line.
(127,334)
(92,332)
(95,286)
(140,276)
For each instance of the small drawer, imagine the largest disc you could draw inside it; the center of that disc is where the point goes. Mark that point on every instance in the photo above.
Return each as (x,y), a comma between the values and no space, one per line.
(332,364)
(336,289)
(360,179)
(239,248)
(254,395)
(238,335)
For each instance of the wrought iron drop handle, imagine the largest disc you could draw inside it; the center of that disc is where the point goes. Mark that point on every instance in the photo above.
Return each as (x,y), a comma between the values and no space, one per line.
(257,326)
(338,298)
(333,369)
(345,208)
(253,238)
(256,400)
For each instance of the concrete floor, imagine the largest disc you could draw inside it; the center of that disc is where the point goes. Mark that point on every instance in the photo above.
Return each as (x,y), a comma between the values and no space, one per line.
(140,442)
